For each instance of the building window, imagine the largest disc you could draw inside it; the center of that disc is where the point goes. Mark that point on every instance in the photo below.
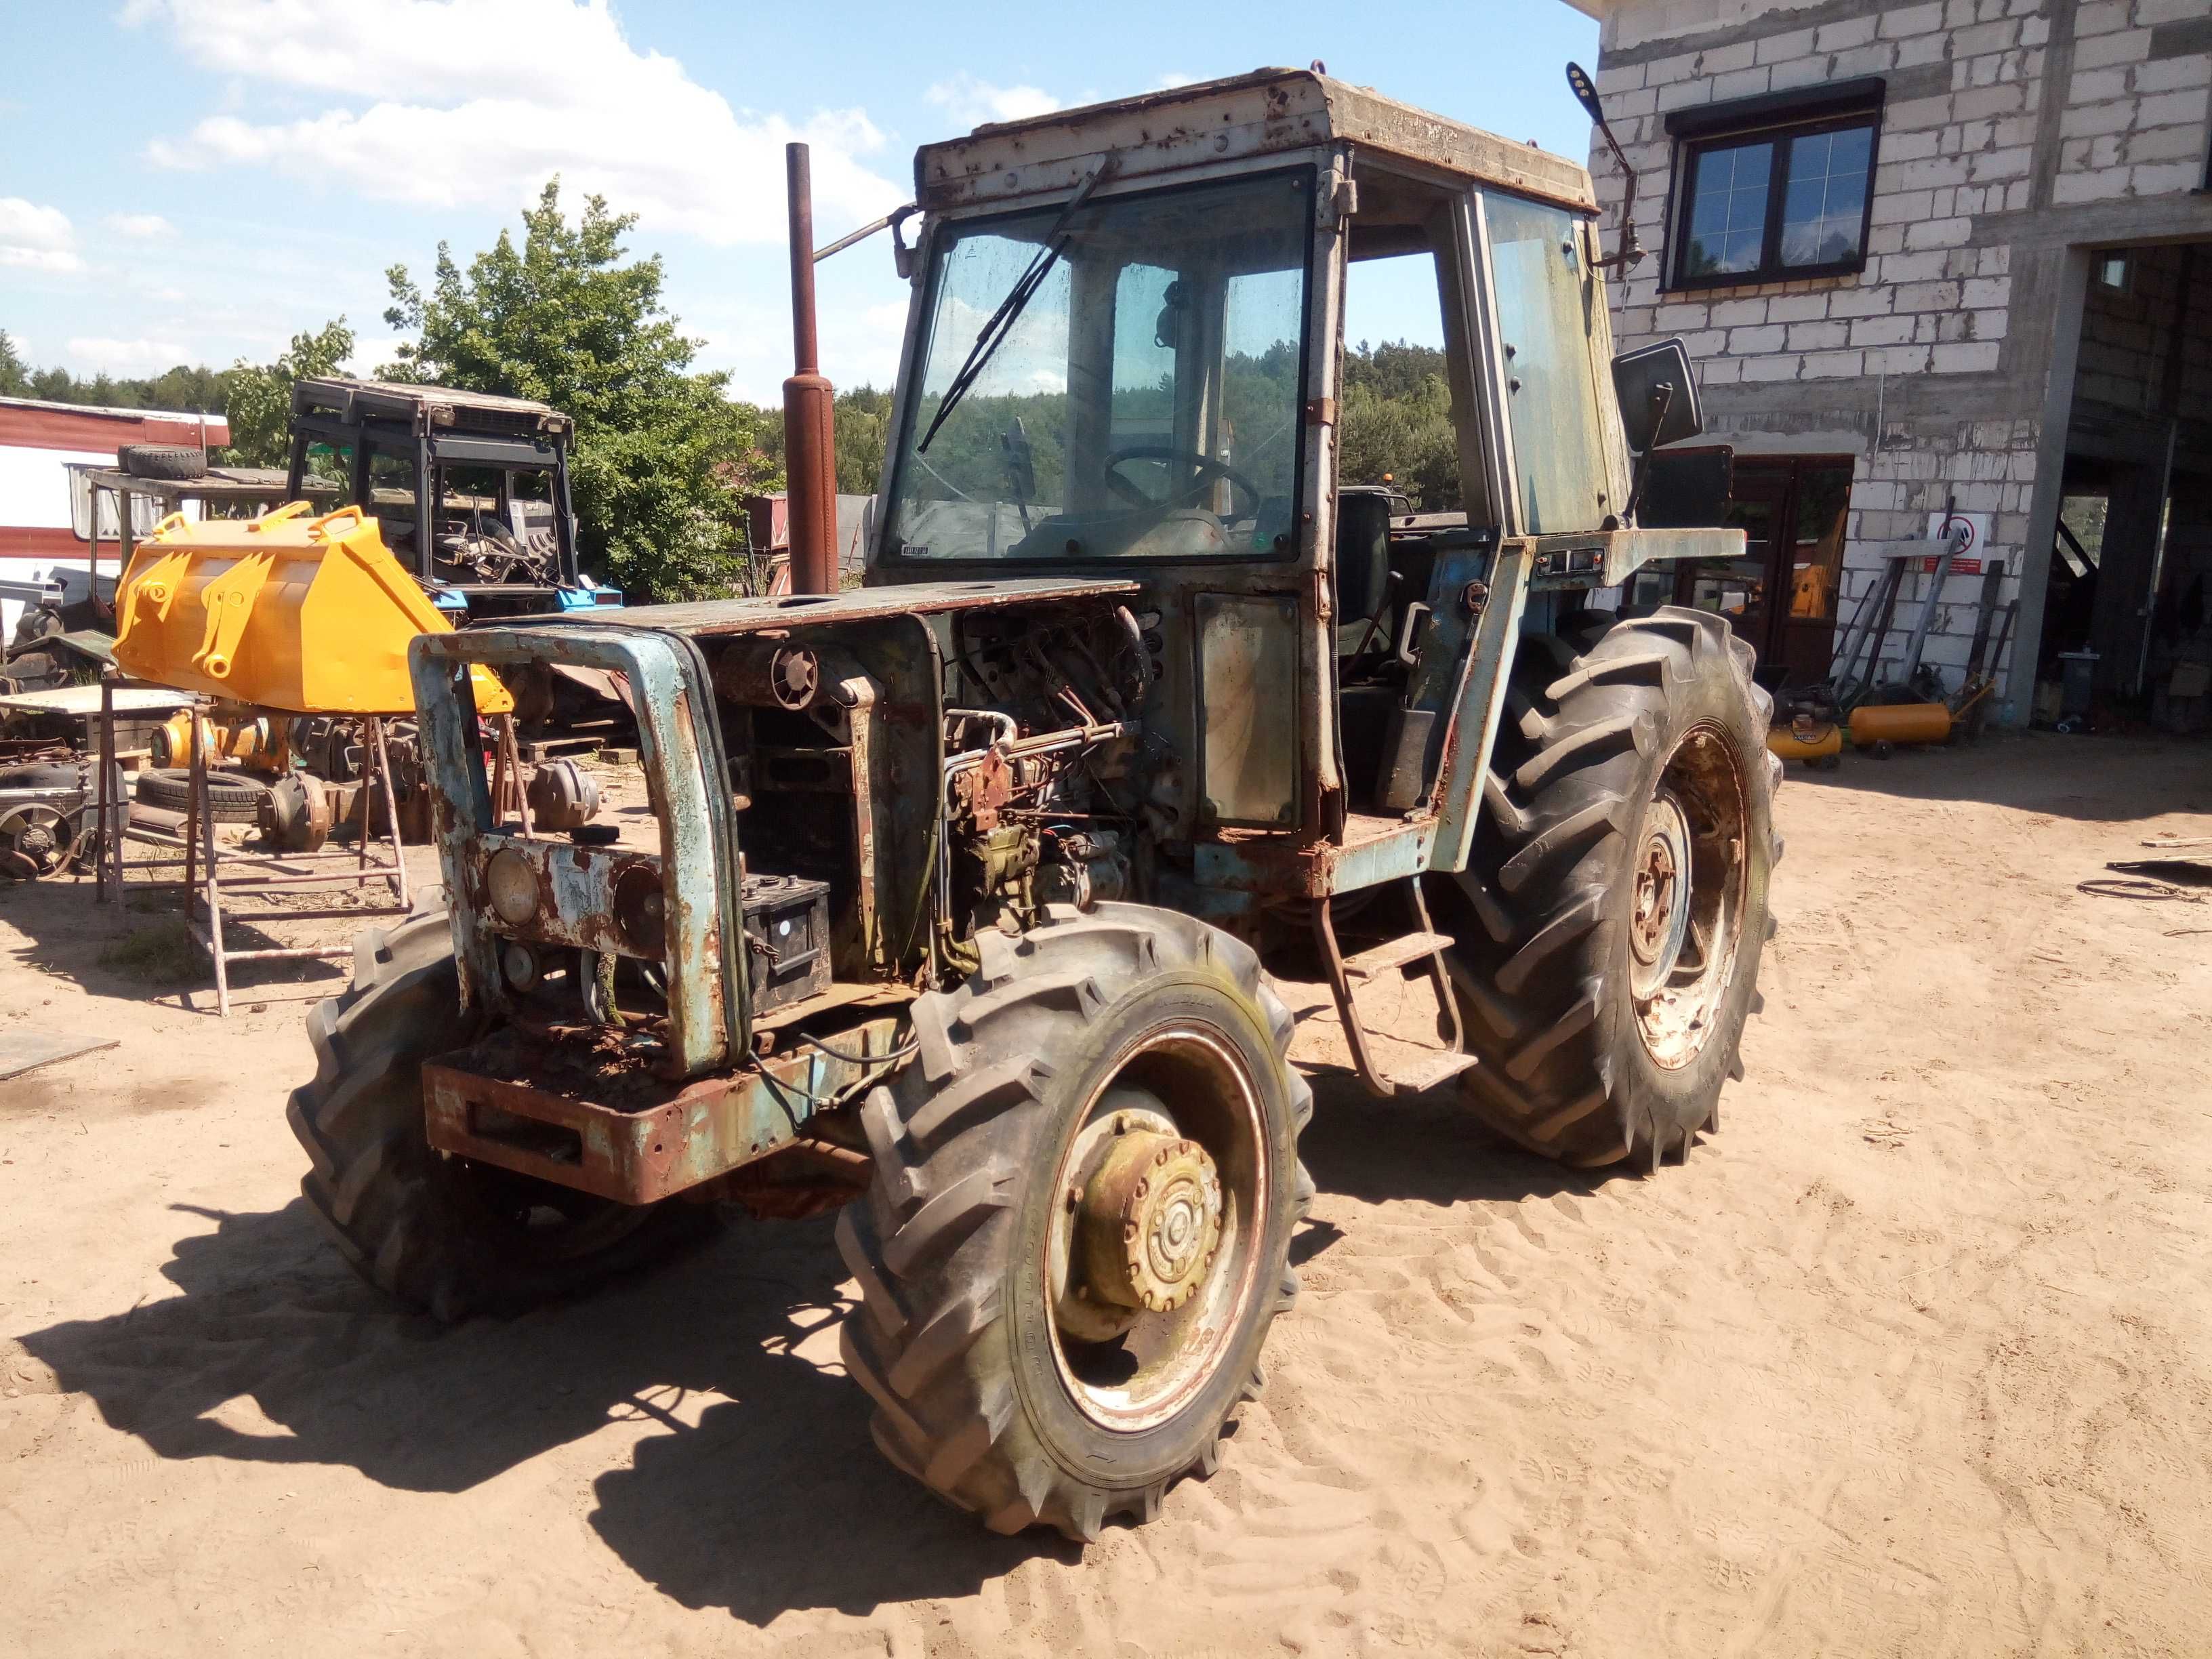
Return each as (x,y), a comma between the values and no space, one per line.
(145,510)
(2111,270)
(1775,187)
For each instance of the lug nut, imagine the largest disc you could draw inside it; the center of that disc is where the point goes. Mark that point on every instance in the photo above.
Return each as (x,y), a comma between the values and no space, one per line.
(1075,1196)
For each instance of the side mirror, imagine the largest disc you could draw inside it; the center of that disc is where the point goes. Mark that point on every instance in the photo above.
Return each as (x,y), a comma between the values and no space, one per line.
(1687,489)
(1658,395)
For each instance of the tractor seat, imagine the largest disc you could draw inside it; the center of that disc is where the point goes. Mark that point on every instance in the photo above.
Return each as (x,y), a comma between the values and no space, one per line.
(1361,576)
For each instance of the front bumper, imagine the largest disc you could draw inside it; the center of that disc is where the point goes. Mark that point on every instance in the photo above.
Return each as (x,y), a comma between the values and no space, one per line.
(598,1122)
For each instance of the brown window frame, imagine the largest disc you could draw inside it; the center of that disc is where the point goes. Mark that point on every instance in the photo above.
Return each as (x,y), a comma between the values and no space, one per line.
(1779,118)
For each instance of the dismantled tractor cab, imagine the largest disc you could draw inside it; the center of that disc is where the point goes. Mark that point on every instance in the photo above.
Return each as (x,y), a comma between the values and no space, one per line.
(954,893)
(489,475)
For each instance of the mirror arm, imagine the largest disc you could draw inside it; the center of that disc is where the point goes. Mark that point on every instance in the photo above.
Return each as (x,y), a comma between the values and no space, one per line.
(1585,91)
(1662,395)
(1631,246)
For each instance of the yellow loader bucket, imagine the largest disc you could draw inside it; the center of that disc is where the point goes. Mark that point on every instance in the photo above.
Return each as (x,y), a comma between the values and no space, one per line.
(281,611)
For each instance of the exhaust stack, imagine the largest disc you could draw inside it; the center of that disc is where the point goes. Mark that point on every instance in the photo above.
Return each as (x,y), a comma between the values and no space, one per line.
(809,450)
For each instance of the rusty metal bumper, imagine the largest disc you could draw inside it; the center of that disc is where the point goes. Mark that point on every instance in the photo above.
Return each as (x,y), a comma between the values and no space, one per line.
(605,1127)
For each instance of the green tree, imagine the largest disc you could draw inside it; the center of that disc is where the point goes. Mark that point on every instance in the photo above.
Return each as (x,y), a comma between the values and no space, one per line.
(257,402)
(862,418)
(14,372)
(1396,422)
(569,319)
(184,387)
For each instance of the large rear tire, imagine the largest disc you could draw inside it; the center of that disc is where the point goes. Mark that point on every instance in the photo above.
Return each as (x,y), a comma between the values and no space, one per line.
(1111,1079)
(438,1233)
(1618,890)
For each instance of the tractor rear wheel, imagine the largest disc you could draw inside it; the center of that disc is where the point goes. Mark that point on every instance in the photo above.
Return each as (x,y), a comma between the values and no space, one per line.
(1619,889)
(439,1233)
(1078,1229)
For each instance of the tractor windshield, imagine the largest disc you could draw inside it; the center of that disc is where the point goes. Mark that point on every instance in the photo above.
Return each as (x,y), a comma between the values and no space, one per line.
(1138,395)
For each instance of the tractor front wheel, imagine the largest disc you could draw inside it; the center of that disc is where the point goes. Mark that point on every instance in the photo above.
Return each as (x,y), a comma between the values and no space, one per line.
(1619,889)
(1078,1229)
(439,1233)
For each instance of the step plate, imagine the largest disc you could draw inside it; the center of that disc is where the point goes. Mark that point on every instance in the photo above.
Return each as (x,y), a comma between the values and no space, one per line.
(1431,1069)
(1395,953)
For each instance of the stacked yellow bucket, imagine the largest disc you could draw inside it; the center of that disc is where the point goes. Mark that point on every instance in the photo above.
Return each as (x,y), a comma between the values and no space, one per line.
(309,615)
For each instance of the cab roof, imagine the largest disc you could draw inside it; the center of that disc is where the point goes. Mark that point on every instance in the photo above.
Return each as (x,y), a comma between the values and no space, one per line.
(1267,111)
(437,405)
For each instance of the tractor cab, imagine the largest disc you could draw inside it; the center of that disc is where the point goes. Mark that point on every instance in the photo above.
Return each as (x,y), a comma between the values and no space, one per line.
(1126,357)
(470,490)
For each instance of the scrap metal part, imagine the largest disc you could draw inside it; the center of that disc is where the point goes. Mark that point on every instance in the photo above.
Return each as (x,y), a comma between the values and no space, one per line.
(35,840)
(562,796)
(295,814)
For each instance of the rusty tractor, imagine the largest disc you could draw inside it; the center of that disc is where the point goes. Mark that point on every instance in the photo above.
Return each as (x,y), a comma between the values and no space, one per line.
(959,895)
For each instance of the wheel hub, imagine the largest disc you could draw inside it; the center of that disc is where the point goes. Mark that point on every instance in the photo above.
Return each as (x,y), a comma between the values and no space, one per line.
(1659,920)
(1150,1222)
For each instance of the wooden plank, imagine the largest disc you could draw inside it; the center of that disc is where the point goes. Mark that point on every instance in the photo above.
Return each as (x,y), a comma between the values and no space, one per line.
(25,1051)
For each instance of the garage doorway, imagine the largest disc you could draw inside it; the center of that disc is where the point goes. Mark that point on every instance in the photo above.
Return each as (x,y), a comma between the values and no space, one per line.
(2124,617)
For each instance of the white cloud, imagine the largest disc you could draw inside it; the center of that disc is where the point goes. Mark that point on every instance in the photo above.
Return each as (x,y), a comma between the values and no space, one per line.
(1171,80)
(370,353)
(971,102)
(140,226)
(36,238)
(96,354)
(413,117)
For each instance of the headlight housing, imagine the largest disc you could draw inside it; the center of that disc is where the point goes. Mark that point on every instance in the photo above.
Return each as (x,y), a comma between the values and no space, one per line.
(512,884)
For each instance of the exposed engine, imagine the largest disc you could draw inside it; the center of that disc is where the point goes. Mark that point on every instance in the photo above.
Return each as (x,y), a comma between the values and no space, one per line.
(484,550)
(1037,805)
(1041,712)
(852,869)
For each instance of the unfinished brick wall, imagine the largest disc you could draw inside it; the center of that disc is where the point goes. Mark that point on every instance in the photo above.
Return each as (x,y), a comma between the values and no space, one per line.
(2136,100)
(1930,360)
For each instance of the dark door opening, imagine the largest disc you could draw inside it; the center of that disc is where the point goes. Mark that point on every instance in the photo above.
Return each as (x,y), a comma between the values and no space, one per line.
(1780,597)
(2126,628)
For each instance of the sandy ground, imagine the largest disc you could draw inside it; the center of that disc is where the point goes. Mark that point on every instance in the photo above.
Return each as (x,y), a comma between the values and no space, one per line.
(1914,1356)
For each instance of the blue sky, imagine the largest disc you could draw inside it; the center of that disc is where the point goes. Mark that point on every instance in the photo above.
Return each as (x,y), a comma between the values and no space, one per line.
(197,179)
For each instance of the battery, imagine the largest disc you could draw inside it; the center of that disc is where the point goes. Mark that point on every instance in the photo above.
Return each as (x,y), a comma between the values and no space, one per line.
(786,938)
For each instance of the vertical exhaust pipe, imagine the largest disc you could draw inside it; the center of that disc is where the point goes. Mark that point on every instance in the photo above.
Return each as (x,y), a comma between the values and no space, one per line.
(810,451)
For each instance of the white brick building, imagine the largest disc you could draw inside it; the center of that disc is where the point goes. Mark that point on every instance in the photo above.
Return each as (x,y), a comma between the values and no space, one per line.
(1946,250)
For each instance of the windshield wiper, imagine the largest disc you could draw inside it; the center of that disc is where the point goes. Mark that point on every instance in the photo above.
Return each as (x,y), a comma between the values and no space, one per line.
(1002,321)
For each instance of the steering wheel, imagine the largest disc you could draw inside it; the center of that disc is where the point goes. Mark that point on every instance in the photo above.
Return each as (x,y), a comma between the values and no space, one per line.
(1207,467)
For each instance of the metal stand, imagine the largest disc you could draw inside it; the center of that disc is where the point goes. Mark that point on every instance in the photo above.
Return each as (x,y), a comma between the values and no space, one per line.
(217,876)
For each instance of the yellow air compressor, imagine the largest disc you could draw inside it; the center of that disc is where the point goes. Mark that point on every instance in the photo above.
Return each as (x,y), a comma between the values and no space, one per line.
(307,615)
(1815,742)
(1875,727)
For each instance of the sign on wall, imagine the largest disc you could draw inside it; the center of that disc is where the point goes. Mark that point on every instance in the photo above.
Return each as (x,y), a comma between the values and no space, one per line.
(1966,559)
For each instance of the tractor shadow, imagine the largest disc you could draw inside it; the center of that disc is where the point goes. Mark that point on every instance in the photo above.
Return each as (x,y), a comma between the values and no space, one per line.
(1428,1150)
(759,1490)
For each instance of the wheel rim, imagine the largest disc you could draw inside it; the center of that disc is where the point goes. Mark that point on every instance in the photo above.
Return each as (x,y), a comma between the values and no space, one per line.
(1159,1197)
(1689,882)
(1659,918)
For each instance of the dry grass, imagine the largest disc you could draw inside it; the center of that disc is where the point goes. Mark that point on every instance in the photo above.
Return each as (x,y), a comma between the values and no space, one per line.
(163,954)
